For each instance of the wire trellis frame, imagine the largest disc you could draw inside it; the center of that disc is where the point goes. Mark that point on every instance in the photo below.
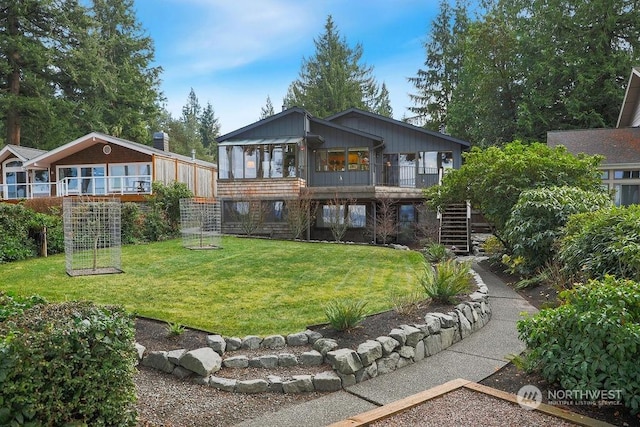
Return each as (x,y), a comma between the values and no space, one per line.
(200,223)
(92,240)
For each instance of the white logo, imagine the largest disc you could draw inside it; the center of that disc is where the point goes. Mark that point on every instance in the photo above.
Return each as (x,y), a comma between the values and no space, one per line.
(529,397)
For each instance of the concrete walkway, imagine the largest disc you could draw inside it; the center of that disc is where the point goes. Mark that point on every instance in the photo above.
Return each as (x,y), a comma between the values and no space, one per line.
(474,358)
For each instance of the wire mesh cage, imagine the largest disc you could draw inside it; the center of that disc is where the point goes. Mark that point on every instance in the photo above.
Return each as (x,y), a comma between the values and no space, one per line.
(200,223)
(92,242)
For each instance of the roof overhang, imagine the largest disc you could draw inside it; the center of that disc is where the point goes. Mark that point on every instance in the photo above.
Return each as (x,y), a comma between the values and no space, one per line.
(263,141)
(630,102)
(80,144)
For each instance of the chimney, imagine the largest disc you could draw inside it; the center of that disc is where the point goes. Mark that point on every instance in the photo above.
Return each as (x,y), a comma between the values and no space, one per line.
(161,141)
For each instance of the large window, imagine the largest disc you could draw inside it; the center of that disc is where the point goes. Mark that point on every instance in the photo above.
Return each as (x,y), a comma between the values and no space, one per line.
(358,159)
(356,216)
(626,174)
(130,177)
(626,195)
(340,159)
(89,179)
(430,162)
(15,179)
(258,161)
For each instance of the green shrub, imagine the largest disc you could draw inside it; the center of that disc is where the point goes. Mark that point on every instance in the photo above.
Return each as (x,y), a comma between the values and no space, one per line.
(15,243)
(132,224)
(493,246)
(603,242)
(167,199)
(537,218)
(592,341)
(446,280)
(68,364)
(13,305)
(345,314)
(436,252)
(492,178)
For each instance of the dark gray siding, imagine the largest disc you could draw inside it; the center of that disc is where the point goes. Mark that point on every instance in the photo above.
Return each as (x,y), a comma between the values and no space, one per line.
(338,138)
(400,139)
(288,125)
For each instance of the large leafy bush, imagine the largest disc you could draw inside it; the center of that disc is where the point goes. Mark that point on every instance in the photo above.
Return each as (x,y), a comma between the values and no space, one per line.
(493,178)
(592,341)
(67,364)
(538,217)
(14,239)
(603,242)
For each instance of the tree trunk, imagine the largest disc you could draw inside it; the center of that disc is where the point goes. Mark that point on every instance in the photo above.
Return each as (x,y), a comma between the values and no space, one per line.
(13,84)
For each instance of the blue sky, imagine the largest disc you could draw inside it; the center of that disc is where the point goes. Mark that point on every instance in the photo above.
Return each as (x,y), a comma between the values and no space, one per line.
(235,53)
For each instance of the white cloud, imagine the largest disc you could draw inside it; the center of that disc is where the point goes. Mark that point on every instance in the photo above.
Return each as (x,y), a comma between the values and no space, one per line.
(229,34)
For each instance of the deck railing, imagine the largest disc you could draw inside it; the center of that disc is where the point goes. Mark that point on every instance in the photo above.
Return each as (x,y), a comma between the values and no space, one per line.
(79,186)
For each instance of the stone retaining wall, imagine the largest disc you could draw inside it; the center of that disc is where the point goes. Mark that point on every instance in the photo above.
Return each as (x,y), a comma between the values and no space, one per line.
(403,346)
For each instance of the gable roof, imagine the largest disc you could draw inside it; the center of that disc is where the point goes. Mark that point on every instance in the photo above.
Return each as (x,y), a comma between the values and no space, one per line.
(254,125)
(395,122)
(22,153)
(630,104)
(90,139)
(307,115)
(618,146)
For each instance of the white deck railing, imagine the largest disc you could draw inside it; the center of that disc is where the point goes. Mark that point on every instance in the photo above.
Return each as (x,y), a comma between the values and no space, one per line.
(79,186)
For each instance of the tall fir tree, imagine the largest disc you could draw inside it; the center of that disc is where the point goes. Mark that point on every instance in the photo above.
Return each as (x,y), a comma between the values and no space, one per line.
(68,69)
(334,79)
(128,86)
(444,52)
(35,37)
(267,110)
(576,59)
(209,127)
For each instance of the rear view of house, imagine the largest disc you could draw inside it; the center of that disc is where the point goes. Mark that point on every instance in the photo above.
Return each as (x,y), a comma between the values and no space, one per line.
(349,164)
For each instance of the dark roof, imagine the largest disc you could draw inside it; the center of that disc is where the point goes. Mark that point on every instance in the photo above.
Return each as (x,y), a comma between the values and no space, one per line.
(397,123)
(618,146)
(259,123)
(294,110)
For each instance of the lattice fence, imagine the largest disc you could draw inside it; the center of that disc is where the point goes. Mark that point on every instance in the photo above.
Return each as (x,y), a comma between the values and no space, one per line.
(92,242)
(200,223)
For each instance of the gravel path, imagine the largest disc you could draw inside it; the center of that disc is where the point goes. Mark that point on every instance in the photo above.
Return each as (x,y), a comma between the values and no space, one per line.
(164,400)
(467,408)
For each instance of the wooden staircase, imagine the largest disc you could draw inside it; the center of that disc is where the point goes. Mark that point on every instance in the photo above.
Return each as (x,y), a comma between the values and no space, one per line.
(455,231)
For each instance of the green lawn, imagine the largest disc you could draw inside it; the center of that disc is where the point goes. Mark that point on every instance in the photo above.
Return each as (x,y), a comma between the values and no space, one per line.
(250,286)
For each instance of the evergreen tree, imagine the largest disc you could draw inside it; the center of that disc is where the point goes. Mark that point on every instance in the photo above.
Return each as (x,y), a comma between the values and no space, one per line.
(267,110)
(35,35)
(209,130)
(576,59)
(128,87)
(383,103)
(444,53)
(333,79)
(66,70)
(484,104)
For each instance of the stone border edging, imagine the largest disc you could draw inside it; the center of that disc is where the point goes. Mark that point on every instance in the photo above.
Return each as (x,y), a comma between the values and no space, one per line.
(403,346)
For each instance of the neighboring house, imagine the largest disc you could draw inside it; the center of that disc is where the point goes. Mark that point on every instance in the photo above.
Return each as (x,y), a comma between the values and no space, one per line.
(101,165)
(620,146)
(348,163)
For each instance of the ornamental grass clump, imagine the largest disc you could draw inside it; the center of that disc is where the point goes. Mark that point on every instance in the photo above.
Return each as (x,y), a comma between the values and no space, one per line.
(437,252)
(446,280)
(345,314)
